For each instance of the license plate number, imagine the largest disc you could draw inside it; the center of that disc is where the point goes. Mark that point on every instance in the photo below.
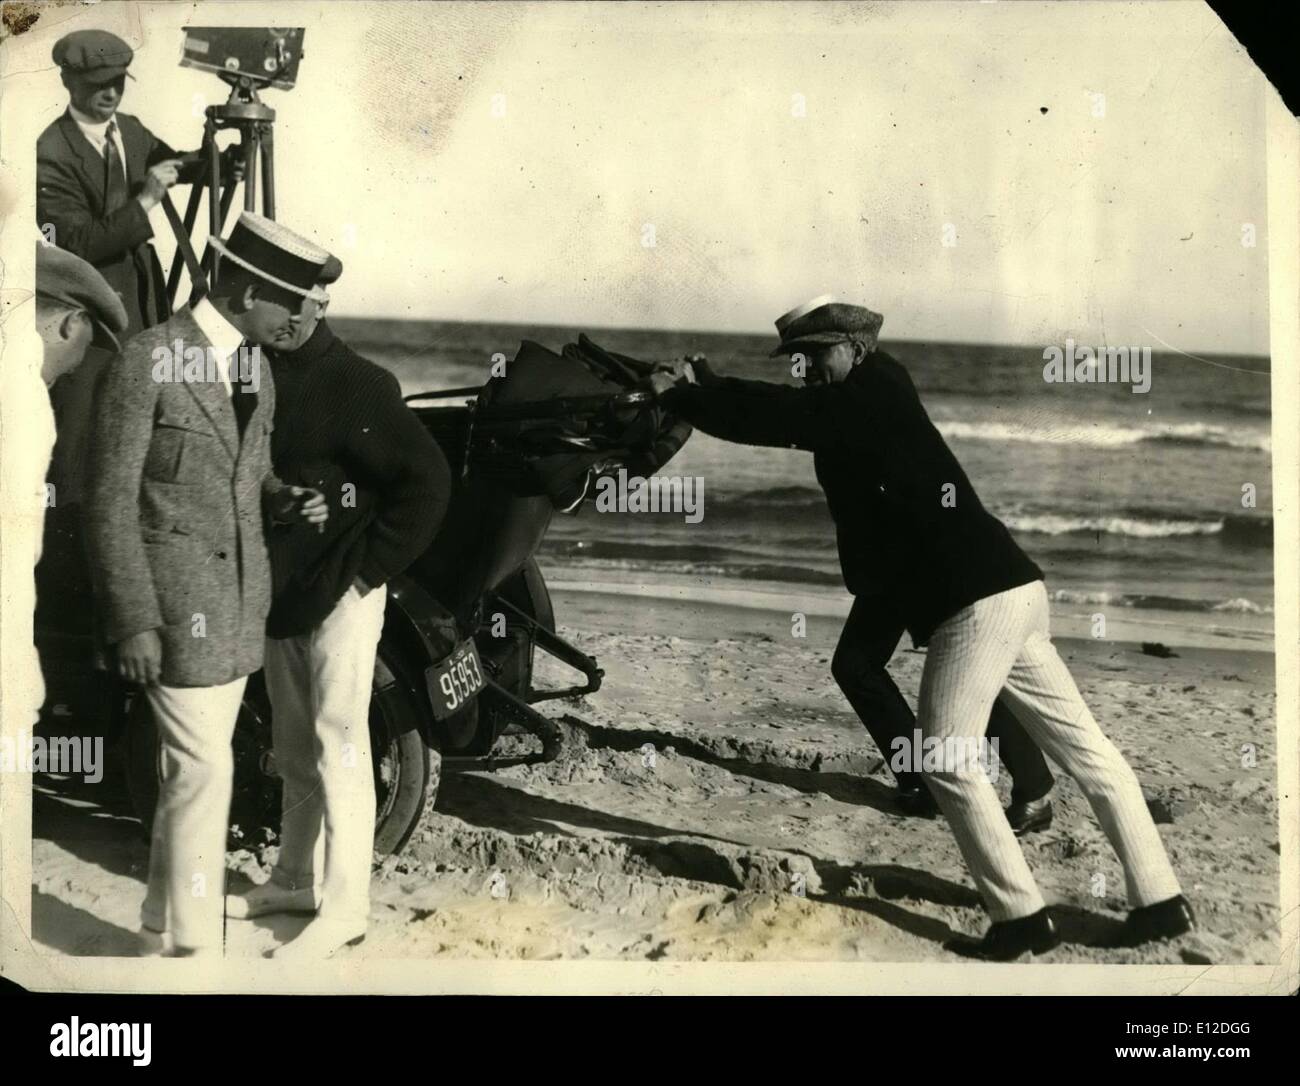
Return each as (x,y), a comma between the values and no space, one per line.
(455,681)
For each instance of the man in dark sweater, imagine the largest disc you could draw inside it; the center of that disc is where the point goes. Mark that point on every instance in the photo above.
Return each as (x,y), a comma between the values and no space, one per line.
(911,528)
(864,513)
(341,428)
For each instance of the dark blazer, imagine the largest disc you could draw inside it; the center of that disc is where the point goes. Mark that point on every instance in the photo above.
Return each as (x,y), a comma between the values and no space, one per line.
(909,525)
(174,512)
(70,195)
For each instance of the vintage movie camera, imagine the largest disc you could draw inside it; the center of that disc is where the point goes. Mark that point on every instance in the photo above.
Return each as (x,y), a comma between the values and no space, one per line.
(264,56)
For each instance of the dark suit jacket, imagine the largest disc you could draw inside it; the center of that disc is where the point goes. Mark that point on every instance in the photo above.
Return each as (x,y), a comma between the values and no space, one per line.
(174,512)
(70,195)
(909,524)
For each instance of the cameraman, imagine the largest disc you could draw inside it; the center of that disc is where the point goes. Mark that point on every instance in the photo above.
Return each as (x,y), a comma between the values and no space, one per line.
(100,172)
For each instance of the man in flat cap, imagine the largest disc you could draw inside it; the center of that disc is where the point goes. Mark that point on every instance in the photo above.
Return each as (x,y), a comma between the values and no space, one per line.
(877,619)
(180,482)
(100,172)
(341,427)
(76,311)
(911,526)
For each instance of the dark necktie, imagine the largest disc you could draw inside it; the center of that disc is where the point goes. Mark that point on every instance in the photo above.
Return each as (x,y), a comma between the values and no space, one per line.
(242,397)
(114,172)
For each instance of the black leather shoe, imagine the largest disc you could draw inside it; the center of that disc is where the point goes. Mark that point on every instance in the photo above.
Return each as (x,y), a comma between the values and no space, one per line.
(917,802)
(1008,939)
(1030,816)
(1163,920)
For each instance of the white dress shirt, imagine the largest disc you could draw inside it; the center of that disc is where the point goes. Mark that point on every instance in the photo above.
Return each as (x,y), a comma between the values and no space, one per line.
(97,133)
(224,337)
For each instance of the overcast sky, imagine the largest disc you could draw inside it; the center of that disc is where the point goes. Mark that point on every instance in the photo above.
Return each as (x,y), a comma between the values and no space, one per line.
(978,119)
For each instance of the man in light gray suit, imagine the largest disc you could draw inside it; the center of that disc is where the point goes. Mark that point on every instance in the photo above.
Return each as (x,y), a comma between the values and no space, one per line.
(180,482)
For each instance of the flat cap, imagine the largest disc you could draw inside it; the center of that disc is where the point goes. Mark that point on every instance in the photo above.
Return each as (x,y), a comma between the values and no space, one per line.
(67,279)
(96,55)
(824,320)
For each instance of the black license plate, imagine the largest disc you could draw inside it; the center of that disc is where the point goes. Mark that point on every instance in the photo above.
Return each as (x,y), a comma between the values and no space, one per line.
(455,681)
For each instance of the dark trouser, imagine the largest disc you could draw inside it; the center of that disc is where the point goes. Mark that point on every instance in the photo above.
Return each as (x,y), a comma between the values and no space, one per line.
(866,644)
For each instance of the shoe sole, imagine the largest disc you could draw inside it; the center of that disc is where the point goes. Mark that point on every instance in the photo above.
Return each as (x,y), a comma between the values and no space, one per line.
(1040,948)
(1034,825)
(273,912)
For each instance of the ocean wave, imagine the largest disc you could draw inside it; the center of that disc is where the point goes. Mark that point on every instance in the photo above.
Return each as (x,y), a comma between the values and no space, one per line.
(790,502)
(1107,436)
(732,570)
(1149,602)
(1065,524)
(1241,530)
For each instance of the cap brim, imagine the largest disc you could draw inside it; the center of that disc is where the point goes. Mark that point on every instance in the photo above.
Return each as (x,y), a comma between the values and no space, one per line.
(103,336)
(105,75)
(813,339)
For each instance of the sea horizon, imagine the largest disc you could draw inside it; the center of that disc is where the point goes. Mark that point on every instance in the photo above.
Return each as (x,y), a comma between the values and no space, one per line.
(1132,503)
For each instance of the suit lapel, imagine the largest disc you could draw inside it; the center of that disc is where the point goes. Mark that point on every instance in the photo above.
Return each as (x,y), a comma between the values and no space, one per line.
(137,147)
(210,395)
(91,161)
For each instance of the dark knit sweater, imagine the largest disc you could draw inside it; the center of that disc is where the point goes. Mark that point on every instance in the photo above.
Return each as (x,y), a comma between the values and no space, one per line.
(909,525)
(341,427)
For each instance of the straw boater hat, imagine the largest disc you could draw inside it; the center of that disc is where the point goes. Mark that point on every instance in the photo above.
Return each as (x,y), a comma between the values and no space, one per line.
(824,320)
(275,253)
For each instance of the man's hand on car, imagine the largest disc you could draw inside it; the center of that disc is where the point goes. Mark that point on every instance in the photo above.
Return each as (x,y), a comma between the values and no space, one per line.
(673,373)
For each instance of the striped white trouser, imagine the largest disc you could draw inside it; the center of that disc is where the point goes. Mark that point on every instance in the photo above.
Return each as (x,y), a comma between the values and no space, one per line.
(1000,645)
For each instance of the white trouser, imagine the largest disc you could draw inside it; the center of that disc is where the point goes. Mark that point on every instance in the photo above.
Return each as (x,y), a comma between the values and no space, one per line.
(320,685)
(1001,645)
(187,855)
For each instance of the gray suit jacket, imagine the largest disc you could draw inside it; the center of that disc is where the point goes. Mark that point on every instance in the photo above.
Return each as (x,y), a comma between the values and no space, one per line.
(174,512)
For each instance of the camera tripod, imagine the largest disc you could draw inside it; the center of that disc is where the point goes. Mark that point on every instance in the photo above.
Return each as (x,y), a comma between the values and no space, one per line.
(244,111)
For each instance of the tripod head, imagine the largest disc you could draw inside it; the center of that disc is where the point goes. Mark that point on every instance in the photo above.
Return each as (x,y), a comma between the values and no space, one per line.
(246,59)
(242,107)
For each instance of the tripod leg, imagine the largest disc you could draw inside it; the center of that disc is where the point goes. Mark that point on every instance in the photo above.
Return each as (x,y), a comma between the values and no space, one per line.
(217,220)
(253,146)
(214,203)
(191,216)
(268,172)
(185,248)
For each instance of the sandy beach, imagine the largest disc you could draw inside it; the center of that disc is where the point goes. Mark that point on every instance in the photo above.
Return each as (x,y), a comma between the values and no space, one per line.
(718,800)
